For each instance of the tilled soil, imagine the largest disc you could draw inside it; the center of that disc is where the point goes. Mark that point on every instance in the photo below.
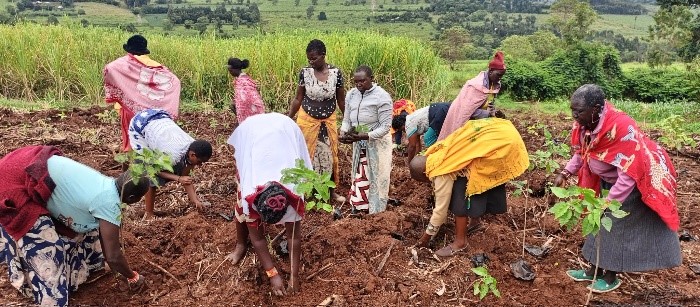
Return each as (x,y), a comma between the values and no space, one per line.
(182,252)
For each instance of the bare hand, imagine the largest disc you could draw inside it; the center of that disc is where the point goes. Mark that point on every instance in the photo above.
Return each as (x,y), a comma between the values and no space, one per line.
(139,285)
(185,180)
(498,114)
(424,240)
(277,285)
(559,181)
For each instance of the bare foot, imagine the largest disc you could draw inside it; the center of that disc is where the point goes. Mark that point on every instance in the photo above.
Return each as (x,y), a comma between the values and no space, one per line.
(237,254)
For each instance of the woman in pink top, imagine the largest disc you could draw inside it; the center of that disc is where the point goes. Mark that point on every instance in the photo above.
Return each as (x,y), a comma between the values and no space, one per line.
(246,100)
(611,151)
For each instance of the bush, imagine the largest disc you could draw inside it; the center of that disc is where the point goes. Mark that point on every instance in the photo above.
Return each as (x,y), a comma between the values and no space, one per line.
(659,84)
(527,80)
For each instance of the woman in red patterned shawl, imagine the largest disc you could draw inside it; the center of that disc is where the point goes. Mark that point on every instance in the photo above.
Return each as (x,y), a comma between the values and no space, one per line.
(611,152)
(246,100)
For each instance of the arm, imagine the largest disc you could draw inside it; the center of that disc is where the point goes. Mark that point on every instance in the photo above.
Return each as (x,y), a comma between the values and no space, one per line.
(345,126)
(188,184)
(260,246)
(340,96)
(414,147)
(109,239)
(442,186)
(384,113)
(622,187)
(296,102)
(480,114)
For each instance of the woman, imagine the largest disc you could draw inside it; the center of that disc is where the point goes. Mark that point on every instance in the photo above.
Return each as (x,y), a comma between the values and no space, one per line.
(154,129)
(402,108)
(473,163)
(247,100)
(426,122)
(611,150)
(320,90)
(59,222)
(366,125)
(135,82)
(476,99)
(264,145)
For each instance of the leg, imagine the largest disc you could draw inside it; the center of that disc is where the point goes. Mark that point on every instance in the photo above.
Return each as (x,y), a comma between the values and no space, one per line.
(460,233)
(150,200)
(241,243)
(294,232)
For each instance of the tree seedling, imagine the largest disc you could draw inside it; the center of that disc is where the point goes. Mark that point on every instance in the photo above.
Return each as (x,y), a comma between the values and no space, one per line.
(580,205)
(147,163)
(314,186)
(485,284)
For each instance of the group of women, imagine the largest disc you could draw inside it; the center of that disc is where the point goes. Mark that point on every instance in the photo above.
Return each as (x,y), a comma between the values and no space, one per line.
(471,152)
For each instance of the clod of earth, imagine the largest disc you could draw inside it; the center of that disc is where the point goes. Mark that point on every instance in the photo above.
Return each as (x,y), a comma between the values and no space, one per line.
(479,260)
(394,202)
(522,270)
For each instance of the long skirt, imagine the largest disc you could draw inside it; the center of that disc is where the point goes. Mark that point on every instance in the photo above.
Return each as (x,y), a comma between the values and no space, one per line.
(47,266)
(638,242)
(371,169)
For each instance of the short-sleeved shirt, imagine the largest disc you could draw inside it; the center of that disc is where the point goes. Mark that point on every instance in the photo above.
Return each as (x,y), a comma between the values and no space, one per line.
(417,122)
(82,195)
(320,91)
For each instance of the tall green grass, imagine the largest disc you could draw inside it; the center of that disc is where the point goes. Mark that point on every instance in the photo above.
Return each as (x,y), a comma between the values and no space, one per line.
(65,62)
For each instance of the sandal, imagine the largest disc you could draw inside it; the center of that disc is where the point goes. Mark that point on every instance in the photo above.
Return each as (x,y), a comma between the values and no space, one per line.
(602,286)
(579,275)
(447,251)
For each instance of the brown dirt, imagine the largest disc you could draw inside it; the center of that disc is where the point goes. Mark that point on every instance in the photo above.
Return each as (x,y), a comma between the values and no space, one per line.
(192,245)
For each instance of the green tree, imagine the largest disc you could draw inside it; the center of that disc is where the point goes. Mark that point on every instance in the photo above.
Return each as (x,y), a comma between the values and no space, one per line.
(670,3)
(296,2)
(314,2)
(322,16)
(545,44)
(519,46)
(52,20)
(84,23)
(672,31)
(572,19)
(453,44)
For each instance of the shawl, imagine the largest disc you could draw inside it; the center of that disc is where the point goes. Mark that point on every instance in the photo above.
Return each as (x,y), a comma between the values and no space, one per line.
(25,189)
(620,143)
(488,151)
(472,97)
(137,86)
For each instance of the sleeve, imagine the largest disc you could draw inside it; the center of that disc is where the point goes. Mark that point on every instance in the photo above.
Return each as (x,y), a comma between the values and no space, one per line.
(622,187)
(345,126)
(574,164)
(411,125)
(107,208)
(340,82)
(301,83)
(480,114)
(384,112)
(442,185)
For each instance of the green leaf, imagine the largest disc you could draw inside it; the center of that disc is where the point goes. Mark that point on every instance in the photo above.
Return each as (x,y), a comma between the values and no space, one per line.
(327,207)
(476,287)
(560,192)
(121,158)
(495,291)
(481,271)
(310,205)
(619,213)
(606,222)
(483,290)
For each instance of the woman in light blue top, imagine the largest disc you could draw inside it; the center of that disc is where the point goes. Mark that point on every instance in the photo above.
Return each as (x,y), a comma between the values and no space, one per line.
(366,124)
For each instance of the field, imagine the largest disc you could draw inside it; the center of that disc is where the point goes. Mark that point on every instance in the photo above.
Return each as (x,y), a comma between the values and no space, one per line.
(340,257)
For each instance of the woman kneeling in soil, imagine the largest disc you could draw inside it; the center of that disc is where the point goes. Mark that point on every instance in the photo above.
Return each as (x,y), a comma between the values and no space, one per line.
(264,145)
(59,222)
(366,125)
(612,152)
(473,163)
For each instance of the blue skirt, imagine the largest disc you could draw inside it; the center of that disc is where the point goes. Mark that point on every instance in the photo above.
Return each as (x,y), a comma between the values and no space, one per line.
(47,266)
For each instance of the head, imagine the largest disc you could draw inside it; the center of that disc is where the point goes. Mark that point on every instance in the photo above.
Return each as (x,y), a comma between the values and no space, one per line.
(236,66)
(136,45)
(587,103)
(497,68)
(200,151)
(130,191)
(399,121)
(272,201)
(363,78)
(316,54)
(417,168)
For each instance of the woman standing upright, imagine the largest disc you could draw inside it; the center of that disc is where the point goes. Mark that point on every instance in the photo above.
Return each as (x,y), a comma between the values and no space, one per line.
(246,100)
(366,125)
(320,90)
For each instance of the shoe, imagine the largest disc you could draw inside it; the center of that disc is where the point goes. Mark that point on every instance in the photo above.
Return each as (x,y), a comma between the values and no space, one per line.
(602,286)
(448,251)
(579,275)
